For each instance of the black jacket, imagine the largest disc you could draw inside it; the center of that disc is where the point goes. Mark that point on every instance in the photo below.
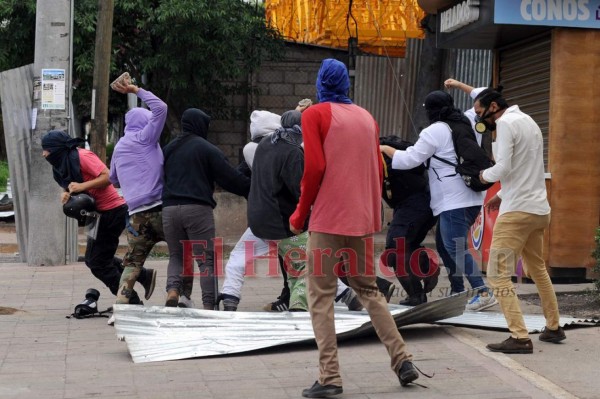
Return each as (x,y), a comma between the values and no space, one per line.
(276,174)
(193,166)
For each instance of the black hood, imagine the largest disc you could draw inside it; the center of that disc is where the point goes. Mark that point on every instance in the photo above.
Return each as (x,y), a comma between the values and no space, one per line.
(195,121)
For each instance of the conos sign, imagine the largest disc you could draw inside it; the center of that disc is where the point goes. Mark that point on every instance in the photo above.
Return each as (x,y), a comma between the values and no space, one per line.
(567,13)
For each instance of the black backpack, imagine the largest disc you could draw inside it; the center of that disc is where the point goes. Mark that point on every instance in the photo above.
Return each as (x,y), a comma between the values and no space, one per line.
(471,157)
(400,184)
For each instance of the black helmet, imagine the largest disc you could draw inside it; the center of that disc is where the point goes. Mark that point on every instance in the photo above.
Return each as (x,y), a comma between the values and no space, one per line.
(78,205)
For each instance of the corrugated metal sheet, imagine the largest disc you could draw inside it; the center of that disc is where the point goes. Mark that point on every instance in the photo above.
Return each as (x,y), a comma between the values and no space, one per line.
(159,333)
(473,67)
(385,87)
(535,323)
(378,87)
(413,55)
(16,88)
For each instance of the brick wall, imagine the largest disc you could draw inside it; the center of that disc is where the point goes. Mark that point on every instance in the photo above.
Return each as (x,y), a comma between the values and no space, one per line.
(278,86)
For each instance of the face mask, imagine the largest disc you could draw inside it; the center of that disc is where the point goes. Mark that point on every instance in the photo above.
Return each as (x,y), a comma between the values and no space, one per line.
(481,125)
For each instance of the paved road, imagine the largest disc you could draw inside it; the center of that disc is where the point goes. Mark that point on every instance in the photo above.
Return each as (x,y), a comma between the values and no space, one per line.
(45,355)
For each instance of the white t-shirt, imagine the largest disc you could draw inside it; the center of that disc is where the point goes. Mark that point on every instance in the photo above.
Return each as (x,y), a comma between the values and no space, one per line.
(519,156)
(448,190)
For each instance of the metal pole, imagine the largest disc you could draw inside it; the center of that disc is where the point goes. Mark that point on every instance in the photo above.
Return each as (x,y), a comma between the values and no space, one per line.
(47,229)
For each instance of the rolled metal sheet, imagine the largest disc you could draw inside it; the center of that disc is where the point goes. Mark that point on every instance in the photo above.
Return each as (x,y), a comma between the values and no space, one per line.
(159,333)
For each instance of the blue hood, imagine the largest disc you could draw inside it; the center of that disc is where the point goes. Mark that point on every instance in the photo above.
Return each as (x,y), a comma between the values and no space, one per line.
(333,82)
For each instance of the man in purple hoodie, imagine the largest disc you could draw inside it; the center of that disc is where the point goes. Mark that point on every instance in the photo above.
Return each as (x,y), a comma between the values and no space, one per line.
(136,167)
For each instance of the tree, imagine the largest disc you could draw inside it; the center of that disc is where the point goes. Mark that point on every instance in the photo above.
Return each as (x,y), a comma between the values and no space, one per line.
(190,53)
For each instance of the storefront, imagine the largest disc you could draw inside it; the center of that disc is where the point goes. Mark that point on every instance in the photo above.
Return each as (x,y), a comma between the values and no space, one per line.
(547,58)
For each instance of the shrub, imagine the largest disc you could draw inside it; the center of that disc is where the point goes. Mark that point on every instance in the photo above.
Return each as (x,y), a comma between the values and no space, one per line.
(3,175)
(596,268)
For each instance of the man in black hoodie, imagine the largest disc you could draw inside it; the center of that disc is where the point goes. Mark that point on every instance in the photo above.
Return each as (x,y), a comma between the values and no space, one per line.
(192,167)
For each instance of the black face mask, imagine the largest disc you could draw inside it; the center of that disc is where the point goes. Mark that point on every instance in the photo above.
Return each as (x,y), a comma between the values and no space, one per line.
(481,125)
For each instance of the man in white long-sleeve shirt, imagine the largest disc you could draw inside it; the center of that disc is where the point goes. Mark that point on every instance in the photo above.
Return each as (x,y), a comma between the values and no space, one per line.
(523,217)
(455,203)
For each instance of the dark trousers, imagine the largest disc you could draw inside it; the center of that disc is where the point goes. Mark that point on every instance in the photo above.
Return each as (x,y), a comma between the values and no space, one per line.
(100,252)
(411,222)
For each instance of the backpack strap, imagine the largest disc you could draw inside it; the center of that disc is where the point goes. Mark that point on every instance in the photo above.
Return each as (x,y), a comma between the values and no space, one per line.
(427,163)
(387,186)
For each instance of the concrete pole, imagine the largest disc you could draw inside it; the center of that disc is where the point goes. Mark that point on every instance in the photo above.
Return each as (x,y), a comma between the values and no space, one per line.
(47,224)
(101,78)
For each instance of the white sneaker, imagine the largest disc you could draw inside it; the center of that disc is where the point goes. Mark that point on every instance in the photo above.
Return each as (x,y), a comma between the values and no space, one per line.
(111,320)
(185,302)
(479,302)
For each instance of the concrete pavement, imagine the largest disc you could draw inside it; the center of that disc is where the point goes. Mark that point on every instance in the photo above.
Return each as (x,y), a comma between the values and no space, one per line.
(43,354)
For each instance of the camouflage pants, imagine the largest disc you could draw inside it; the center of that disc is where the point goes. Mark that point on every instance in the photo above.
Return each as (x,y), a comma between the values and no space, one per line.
(144,230)
(296,269)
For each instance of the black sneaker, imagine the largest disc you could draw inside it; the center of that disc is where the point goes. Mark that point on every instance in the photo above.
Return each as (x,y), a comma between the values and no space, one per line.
(414,300)
(554,336)
(407,373)
(321,391)
(386,288)
(280,305)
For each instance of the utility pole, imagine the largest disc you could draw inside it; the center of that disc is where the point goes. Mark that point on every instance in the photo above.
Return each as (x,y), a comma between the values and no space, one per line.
(101,78)
(47,227)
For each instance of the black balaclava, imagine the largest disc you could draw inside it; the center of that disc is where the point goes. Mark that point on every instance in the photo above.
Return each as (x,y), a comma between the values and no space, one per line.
(440,107)
(63,157)
(195,121)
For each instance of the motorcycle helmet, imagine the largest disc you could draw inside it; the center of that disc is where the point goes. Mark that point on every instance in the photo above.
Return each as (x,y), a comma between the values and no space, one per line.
(78,206)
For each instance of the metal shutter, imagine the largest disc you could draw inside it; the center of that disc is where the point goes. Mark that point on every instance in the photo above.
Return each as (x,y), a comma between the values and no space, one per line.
(524,71)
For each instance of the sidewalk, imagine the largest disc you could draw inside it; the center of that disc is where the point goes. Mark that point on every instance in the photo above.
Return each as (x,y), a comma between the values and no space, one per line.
(43,354)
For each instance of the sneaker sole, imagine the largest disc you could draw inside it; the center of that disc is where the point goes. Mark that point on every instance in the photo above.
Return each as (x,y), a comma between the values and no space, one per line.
(489,305)
(324,393)
(554,340)
(512,351)
(408,376)
(150,289)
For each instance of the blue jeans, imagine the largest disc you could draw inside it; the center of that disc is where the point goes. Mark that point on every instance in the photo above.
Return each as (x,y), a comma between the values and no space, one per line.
(451,244)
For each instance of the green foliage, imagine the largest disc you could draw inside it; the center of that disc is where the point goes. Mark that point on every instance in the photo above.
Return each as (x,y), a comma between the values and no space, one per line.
(110,148)
(3,175)
(17,33)
(596,268)
(189,51)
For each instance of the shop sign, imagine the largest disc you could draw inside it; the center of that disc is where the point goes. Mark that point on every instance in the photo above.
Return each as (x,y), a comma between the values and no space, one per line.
(567,13)
(458,16)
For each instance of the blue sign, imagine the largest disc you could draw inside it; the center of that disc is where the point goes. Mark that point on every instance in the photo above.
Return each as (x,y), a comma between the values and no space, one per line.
(567,13)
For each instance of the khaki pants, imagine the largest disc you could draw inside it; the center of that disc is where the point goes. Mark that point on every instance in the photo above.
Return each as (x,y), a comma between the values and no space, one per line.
(324,252)
(520,234)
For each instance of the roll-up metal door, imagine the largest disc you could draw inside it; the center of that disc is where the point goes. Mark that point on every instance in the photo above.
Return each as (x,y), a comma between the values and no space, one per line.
(524,71)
